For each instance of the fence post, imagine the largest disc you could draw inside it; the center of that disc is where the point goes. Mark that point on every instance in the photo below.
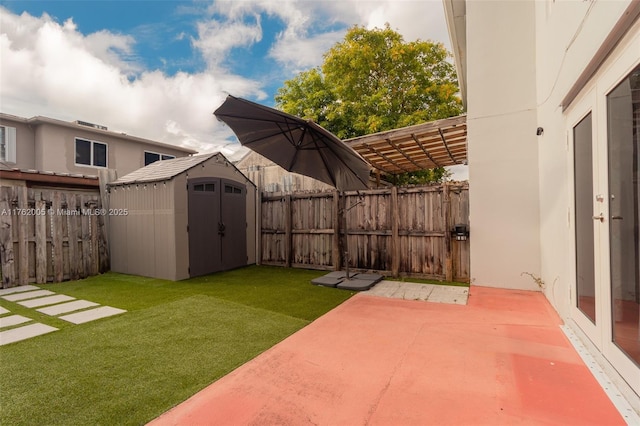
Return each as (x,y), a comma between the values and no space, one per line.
(41,238)
(23,238)
(56,237)
(288,246)
(395,240)
(446,211)
(335,252)
(6,238)
(258,223)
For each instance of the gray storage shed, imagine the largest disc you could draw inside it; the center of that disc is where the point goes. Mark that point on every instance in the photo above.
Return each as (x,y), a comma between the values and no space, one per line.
(181,218)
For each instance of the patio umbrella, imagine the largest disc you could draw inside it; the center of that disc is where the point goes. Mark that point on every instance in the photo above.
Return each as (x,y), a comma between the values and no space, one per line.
(295,144)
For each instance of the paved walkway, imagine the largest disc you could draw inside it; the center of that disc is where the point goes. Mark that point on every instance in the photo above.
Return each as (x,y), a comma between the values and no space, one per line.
(501,359)
(14,328)
(423,292)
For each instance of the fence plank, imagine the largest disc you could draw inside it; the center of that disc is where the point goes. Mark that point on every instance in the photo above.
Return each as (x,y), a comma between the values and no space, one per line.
(23,240)
(6,238)
(395,243)
(41,240)
(56,237)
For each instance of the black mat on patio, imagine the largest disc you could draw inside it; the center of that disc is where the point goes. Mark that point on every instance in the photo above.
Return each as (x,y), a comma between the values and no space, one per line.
(356,282)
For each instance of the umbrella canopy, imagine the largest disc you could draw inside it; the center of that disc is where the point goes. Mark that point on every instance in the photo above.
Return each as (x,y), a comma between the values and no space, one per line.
(295,144)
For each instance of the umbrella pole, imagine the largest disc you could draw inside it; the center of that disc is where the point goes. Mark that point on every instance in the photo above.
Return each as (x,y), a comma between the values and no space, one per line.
(346,266)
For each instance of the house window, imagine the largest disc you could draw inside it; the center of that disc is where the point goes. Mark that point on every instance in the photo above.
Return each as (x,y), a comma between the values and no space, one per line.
(152,157)
(91,153)
(7,144)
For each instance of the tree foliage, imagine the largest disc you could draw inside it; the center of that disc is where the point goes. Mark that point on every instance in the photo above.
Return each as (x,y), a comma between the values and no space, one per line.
(374,81)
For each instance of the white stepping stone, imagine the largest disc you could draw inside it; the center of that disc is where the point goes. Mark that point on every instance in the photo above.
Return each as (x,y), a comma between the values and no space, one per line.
(13,320)
(63,308)
(18,289)
(4,311)
(44,301)
(27,295)
(24,332)
(92,314)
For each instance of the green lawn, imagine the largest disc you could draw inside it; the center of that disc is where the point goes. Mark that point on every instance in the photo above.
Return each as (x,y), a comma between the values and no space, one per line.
(175,339)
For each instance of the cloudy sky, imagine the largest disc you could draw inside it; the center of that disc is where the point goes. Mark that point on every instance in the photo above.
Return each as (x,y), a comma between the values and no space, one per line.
(158,69)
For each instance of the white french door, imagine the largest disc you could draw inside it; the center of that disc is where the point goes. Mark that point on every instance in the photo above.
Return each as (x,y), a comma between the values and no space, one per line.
(604,134)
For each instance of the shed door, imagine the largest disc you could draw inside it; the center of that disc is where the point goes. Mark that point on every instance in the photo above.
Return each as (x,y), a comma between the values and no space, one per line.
(204,226)
(234,220)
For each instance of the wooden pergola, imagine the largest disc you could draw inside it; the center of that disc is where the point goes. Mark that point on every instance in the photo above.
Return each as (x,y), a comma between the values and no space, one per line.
(437,143)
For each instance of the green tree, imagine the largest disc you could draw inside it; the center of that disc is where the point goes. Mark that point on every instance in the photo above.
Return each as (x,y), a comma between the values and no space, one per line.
(374,81)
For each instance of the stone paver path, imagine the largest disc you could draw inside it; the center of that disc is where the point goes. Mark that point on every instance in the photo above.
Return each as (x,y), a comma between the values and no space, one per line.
(424,292)
(63,308)
(24,332)
(27,295)
(49,303)
(18,289)
(12,320)
(92,314)
(44,301)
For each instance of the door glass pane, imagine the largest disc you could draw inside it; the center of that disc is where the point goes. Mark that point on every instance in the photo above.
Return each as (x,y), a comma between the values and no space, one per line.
(623,116)
(583,175)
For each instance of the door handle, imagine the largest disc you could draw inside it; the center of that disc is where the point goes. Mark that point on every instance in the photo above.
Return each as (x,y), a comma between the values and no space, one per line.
(600,217)
(616,217)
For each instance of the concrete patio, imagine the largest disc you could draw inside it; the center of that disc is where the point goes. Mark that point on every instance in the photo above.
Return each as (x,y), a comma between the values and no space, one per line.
(500,359)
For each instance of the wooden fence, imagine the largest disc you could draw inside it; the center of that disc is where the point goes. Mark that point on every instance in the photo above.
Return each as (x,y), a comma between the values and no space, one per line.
(50,235)
(397,231)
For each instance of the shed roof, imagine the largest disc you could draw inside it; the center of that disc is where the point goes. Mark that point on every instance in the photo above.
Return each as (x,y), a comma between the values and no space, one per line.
(423,146)
(163,170)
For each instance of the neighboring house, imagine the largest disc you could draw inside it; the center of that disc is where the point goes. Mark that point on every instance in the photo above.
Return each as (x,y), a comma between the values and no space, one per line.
(46,144)
(552,90)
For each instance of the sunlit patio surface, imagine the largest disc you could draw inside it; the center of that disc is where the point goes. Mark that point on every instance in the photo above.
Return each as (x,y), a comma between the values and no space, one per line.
(500,359)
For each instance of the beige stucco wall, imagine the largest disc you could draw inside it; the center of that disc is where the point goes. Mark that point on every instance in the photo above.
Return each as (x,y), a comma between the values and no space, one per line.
(25,144)
(55,150)
(502,143)
(524,57)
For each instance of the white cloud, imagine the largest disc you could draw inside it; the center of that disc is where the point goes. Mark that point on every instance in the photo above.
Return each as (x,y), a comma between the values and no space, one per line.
(50,68)
(216,38)
(301,46)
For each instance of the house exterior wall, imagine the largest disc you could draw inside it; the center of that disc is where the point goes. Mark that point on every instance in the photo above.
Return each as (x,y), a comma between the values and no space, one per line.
(25,142)
(536,52)
(49,145)
(55,150)
(502,147)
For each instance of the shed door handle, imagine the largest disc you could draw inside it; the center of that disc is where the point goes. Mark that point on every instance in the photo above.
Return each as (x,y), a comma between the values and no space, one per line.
(600,217)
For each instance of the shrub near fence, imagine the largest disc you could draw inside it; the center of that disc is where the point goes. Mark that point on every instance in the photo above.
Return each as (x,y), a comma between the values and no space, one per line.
(397,231)
(50,235)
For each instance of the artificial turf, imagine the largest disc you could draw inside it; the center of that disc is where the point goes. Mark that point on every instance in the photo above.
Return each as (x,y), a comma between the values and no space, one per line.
(174,339)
